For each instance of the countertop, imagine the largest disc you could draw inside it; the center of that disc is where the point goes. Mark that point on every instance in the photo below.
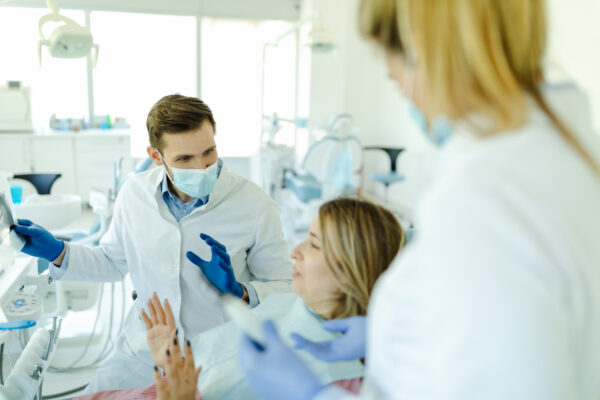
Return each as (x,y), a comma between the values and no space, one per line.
(57,133)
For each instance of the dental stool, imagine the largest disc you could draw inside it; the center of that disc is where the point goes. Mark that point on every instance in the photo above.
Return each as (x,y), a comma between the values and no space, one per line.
(387,178)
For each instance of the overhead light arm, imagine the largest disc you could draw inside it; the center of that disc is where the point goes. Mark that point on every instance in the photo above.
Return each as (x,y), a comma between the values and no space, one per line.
(321,39)
(53,6)
(69,40)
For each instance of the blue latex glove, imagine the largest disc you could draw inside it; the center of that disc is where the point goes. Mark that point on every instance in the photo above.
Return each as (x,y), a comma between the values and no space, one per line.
(350,346)
(218,270)
(38,241)
(274,371)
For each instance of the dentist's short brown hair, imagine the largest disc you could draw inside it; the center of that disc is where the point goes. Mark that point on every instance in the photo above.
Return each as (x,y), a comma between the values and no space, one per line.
(175,114)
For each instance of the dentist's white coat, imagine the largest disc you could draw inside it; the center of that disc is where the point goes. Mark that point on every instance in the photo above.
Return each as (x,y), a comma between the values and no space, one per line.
(146,241)
(498,297)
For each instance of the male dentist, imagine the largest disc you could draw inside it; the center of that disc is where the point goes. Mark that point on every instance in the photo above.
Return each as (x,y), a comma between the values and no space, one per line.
(181,230)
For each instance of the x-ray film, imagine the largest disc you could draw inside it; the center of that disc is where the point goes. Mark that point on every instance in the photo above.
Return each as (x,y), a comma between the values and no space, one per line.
(8,238)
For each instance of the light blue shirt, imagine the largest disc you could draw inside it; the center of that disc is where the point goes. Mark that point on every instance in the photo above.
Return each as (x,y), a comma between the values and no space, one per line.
(179,209)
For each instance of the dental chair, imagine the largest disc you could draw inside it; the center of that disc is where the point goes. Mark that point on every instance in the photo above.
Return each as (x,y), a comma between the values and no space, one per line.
(388,179)
(327,170)
(391,177)
(42,182)
(331,168)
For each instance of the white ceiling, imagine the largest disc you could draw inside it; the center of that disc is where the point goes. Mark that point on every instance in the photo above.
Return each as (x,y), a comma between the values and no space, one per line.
(249,9)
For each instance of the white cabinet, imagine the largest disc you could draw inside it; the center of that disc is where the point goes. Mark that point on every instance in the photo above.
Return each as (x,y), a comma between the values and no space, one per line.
(55,154)
(95,158)
(84,159)
(15,154)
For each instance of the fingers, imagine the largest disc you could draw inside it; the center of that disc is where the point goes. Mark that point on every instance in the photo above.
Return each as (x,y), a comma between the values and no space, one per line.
(28,228)
(320,350)
(153,317)
(300,342)
(174,364)
(225,267)
(24,230)
(195,259)
(189,359)
(271,335)
(161,387)
(336,325)
(147,321)
(175,349)
(170,318)
(212,242)
(216,250)
(249,353)
(160,313)
(170,368)
(222,254)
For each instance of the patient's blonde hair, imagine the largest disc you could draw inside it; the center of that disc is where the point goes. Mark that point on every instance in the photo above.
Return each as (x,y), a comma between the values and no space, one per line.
(359,241)
(480,56)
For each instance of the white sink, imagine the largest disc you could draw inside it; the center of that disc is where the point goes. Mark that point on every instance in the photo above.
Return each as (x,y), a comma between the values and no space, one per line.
(52,211)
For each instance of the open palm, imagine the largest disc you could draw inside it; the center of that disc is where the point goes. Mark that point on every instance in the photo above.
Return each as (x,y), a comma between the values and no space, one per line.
(160,328)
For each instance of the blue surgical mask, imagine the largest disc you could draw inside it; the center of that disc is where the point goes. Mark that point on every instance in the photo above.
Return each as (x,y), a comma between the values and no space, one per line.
(196,183)
(440,129)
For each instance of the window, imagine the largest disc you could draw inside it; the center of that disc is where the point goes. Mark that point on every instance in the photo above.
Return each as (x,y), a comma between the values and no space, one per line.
(231,63)
(59,85)
(142,58)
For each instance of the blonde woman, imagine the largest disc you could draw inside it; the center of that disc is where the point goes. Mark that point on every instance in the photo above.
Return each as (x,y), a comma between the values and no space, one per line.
(498,297)
(335,270)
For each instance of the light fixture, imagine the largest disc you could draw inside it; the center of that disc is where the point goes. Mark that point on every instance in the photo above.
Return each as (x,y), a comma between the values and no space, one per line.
(69,40)
(320,39)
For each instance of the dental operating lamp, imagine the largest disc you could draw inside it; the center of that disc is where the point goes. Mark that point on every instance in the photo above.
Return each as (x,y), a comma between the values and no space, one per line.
(68,40)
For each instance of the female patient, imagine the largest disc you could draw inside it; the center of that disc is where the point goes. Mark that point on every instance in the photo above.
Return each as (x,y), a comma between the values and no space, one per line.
(349,245)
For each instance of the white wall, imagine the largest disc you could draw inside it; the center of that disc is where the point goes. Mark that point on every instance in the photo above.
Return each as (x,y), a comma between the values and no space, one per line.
(354,80)
(373,99)
(574,46)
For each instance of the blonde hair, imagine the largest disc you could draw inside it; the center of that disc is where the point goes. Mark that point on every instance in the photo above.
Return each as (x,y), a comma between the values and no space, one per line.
(480,56)
(359,241)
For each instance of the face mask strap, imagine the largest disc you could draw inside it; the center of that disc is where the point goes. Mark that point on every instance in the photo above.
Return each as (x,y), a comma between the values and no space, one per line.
(166,165)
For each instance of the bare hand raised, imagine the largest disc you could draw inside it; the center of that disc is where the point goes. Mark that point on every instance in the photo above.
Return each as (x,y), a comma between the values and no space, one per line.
(160,328)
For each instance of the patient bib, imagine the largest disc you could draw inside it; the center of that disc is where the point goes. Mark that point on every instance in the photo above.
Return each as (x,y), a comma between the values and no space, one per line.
(216,349)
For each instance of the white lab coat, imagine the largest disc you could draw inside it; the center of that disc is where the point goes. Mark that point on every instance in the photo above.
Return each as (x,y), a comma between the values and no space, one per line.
(146,241)
(498,297)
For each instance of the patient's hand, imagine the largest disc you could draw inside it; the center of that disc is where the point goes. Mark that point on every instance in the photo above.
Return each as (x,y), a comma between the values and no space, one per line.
(181,376)
(160,329)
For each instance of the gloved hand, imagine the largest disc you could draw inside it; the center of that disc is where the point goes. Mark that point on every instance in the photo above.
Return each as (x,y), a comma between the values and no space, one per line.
(218,270)
(274,371)
(38,241)
(350,346)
